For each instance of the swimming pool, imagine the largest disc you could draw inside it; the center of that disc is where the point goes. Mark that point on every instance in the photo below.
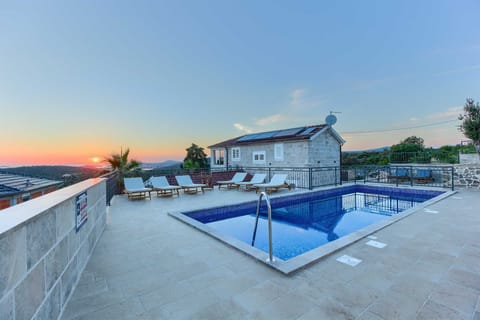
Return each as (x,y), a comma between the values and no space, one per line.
(308,221)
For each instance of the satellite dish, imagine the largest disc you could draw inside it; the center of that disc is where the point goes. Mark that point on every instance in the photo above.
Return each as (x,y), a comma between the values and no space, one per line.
(331,120)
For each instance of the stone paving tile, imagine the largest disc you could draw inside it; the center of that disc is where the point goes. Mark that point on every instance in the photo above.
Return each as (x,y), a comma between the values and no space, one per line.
(80,306)
(287,306)
(224,310)
(327,308)
(168,293)
(439,258)
(128,309)
(432,310)
(429,271)
(394,305)
(342,272)
(355,297)
(465,278)
(186,307)
(378,277)
(412,285)
(85,289)
(467,263)
(369,316)
(256,296)
(455,296)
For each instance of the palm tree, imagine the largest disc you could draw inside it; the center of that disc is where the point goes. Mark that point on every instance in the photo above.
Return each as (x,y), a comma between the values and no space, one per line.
(121,163)
(196,157)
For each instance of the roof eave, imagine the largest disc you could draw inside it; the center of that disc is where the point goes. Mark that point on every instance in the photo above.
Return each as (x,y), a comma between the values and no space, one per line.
(333,132)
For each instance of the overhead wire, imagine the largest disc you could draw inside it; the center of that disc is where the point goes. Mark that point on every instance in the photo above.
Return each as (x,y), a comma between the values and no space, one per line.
(398,129)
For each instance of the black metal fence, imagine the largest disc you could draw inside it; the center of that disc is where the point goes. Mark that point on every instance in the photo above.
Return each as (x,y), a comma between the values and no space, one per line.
(314,177)
(112,184)
(430,176)
(301,177)
(429,156)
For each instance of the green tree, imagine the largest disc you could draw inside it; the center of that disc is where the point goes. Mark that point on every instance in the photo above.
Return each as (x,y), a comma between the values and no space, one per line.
(470,126)
(410,149)
(410,144)
(121,163)
(189,164)
(196,157)
(414,140)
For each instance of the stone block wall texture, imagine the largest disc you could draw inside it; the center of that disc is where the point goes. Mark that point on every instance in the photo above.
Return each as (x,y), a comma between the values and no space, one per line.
(42,258)
(295,154)
(324,151)
(467,176)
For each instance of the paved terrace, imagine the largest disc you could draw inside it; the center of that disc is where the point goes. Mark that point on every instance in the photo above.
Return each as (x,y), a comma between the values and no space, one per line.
(148,265)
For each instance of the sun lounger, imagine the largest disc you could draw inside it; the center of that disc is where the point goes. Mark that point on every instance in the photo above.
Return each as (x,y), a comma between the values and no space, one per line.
(135,189)
(187,184)
(162,187)
(238,177)
(277,182)
(257,178)
(423,176)
(399,175)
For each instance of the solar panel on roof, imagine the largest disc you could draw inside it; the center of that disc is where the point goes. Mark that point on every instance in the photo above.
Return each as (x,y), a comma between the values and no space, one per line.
(6,190)
(257,136)
(265,135)
(308,130)
(288,132)
(247,137)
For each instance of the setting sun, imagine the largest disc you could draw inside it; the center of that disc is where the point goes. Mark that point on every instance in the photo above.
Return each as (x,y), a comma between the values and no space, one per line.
(95,159)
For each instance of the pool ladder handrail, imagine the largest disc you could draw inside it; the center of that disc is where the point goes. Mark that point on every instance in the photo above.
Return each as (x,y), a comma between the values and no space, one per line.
(269,213)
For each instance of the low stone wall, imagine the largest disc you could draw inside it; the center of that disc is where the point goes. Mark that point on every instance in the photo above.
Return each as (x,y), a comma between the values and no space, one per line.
(467,176)
(41,253)
(473,158)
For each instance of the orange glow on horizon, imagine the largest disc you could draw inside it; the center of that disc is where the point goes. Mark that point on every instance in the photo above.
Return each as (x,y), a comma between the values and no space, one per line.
(29,156)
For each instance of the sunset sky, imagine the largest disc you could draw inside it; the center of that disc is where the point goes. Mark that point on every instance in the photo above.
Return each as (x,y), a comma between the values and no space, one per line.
(82,79)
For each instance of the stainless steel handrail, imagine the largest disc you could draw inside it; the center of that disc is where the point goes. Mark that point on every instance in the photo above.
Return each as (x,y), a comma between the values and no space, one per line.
(269,213)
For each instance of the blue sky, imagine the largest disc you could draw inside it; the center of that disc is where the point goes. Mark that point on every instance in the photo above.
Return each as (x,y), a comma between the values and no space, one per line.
(80,79)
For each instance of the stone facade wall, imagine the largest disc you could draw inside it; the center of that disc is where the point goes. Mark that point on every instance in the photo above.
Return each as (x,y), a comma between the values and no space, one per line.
(467,176)
(42,256)
(323,151)
(295,154)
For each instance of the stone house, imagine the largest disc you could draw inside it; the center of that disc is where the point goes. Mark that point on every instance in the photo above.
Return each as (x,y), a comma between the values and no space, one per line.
(310,146)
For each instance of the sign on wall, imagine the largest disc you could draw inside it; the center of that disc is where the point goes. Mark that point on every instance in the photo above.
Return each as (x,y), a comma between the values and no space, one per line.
(81,210)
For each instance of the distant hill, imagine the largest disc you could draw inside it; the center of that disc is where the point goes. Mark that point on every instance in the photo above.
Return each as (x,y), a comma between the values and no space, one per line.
(379,149)
(162,165)
(56,172)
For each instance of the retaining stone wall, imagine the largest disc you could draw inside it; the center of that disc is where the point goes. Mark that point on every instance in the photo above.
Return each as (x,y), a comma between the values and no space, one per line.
(42,257)
(467,176)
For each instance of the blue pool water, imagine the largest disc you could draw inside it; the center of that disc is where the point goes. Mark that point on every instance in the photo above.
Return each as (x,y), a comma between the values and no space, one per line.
(304,222)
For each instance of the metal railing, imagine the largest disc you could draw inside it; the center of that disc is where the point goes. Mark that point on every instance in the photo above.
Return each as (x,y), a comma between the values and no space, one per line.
(430,156)
(301,177)
(112,184)
(429,176)
(269,216)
